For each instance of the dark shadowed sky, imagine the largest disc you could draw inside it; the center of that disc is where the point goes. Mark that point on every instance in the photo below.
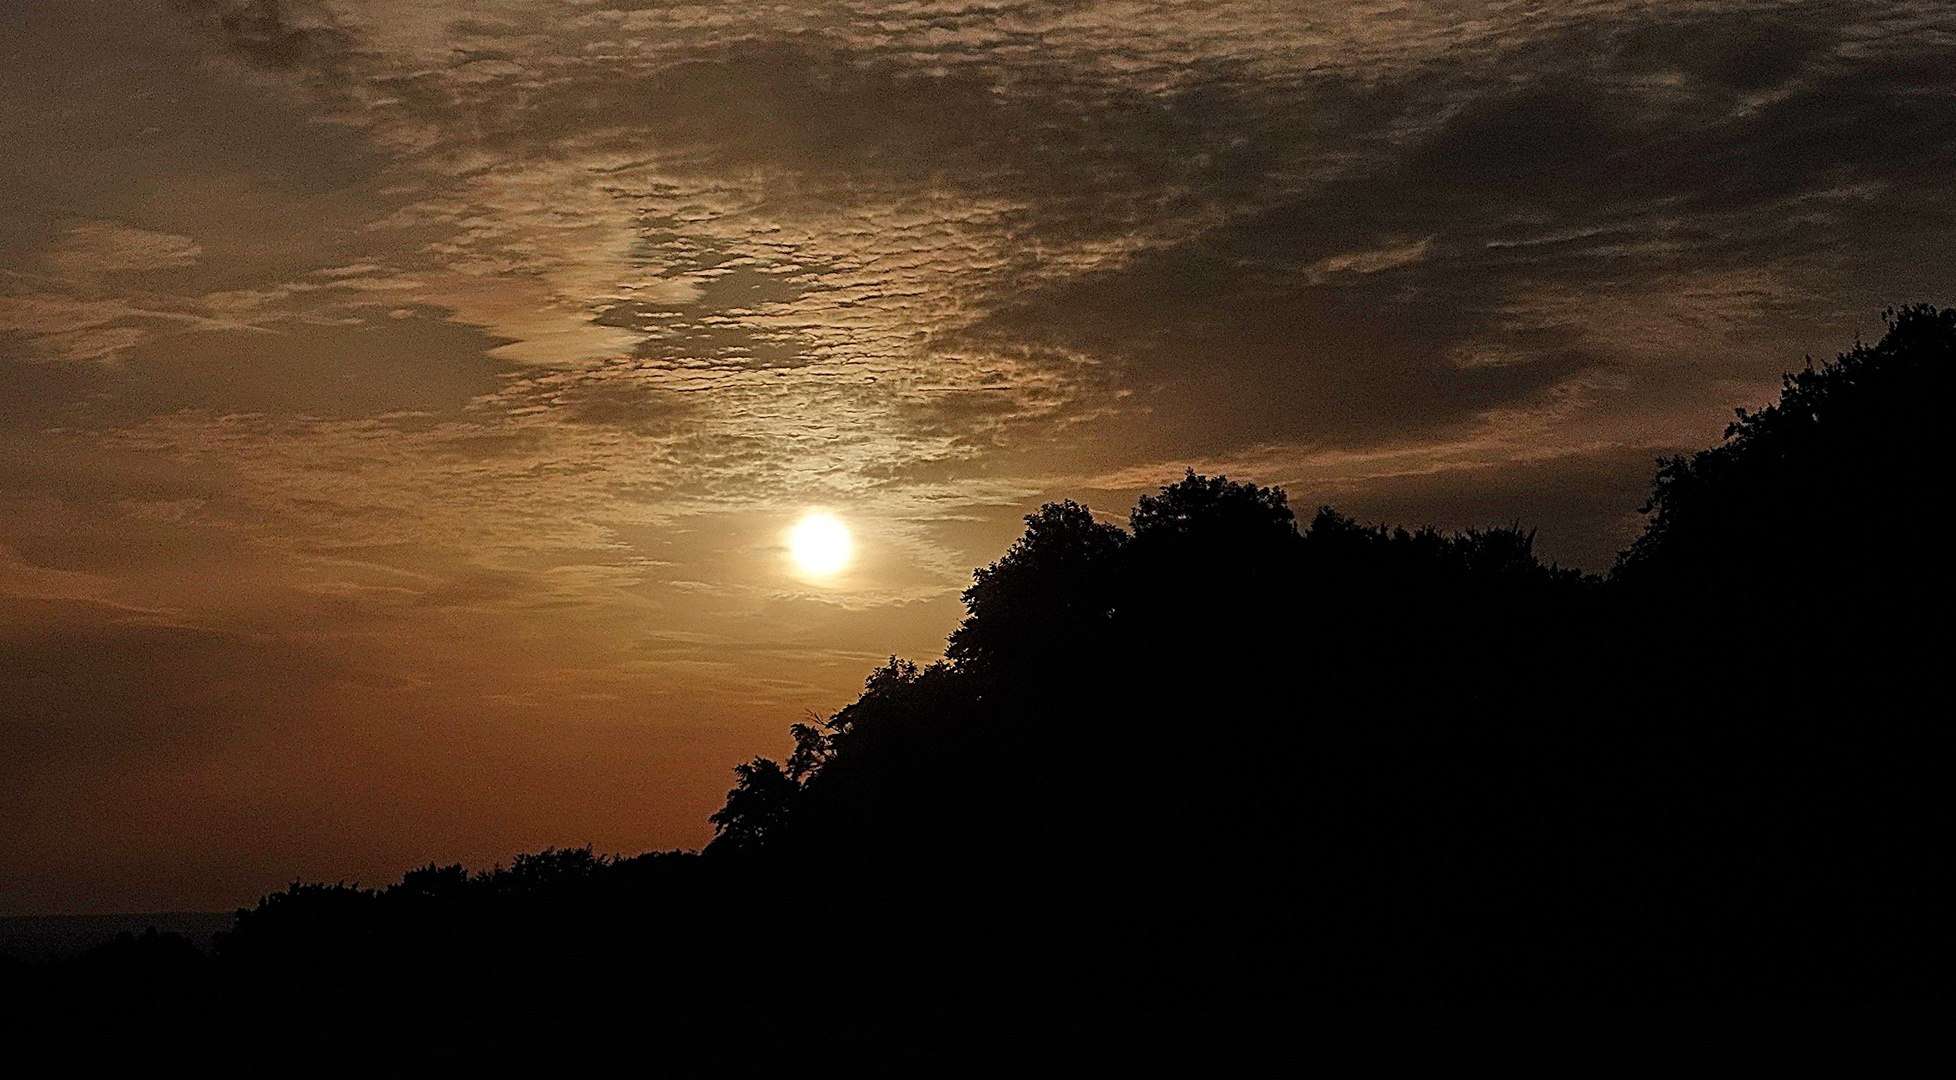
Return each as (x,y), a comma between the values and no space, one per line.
(404,401)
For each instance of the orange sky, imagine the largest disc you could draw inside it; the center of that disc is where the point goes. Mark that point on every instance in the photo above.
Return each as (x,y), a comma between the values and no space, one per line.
(405,402)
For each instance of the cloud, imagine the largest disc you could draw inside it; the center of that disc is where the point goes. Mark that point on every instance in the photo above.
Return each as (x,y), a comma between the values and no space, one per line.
(101,247)
(83,330)
(753,257)
(1373,261)
(282,35)
(20,579)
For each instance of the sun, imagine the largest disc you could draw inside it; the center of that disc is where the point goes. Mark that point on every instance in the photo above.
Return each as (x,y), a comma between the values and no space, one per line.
(819,545)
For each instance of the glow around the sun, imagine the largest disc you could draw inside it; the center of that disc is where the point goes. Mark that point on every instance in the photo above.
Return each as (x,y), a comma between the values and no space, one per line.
(819,544)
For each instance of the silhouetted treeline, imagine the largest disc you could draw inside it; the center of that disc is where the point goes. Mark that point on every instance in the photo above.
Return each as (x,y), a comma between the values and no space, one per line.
(1219,757)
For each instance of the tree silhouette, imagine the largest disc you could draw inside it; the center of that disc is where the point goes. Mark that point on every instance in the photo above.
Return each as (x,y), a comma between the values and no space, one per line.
(1051,588)
(1805,487)
(756,808)
(1217,512)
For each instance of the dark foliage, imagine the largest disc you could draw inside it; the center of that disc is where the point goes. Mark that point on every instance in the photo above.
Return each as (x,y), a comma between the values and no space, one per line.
(1216,758)
(757,807)
(1807,493)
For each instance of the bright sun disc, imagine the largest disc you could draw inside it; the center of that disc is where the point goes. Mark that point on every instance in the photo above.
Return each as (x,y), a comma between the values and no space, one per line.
(819,544)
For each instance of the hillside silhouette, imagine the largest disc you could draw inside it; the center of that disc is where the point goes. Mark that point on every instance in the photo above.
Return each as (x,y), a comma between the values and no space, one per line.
(1226,756)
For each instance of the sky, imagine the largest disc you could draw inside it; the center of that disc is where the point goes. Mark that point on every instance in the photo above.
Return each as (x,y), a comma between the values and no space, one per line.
(404,403)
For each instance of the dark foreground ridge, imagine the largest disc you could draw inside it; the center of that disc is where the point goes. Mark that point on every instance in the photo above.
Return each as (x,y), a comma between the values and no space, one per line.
(1215,758)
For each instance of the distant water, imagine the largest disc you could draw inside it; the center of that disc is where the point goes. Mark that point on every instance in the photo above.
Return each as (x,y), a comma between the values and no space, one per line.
(42,937)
